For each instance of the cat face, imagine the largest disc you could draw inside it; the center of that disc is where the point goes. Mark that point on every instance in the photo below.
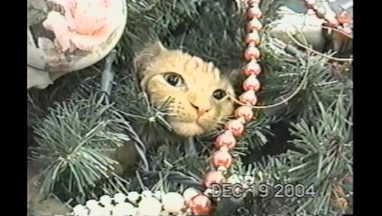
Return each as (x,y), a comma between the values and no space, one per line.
(195,92)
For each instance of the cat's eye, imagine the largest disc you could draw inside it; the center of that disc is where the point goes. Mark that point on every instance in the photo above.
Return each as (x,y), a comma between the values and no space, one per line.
(219,94)
(174,79)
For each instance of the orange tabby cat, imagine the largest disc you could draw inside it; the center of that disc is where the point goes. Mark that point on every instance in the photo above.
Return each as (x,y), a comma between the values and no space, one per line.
(195,91)
(196,94)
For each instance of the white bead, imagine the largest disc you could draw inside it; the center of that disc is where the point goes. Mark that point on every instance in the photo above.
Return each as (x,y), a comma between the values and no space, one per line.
(133,196)
(80,210)
(149,206)
(124,209)
(147,193)
(92,204)
(189,193)
(119,198)
(173,202)
(105,200)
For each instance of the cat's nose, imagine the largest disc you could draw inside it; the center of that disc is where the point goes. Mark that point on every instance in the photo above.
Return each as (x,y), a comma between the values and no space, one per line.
(201,110)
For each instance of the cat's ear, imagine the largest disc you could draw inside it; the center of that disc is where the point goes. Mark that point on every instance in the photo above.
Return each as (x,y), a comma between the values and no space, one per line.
(155,48)
(144,57)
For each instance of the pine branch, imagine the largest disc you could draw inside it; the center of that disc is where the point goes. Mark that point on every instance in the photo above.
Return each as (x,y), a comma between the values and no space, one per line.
(325,146)
(150,20)
(134,106)
(284,67)
(216,35)
(321,163)
(74,143)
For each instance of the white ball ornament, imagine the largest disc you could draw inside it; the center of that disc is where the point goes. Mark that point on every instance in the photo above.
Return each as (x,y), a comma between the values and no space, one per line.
(91,204)
(105,200)
(133,196)
(149,206)
(124,209)
(173,202)
(78,35)
(119,198)
(80,210)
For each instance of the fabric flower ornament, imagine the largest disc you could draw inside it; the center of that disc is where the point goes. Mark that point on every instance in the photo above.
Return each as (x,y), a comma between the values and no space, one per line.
(85,25)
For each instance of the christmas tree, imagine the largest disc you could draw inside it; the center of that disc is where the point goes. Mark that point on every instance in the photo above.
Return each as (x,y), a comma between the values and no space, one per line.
(302,139)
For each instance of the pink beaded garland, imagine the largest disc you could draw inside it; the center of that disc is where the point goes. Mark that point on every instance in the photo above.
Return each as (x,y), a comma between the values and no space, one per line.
(222,159)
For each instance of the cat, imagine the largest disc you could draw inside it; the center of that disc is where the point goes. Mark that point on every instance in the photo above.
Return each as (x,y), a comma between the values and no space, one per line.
(198,97)
(197,94)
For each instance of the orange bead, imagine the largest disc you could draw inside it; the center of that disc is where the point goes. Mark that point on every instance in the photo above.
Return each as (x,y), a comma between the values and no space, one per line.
(245,112)
(248,98)
(253,38)
(225,139)
(200,205)
(221,158)
(252,53)
(236,127)
(253,25)
(254,12)
(251,83)
(252,68)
